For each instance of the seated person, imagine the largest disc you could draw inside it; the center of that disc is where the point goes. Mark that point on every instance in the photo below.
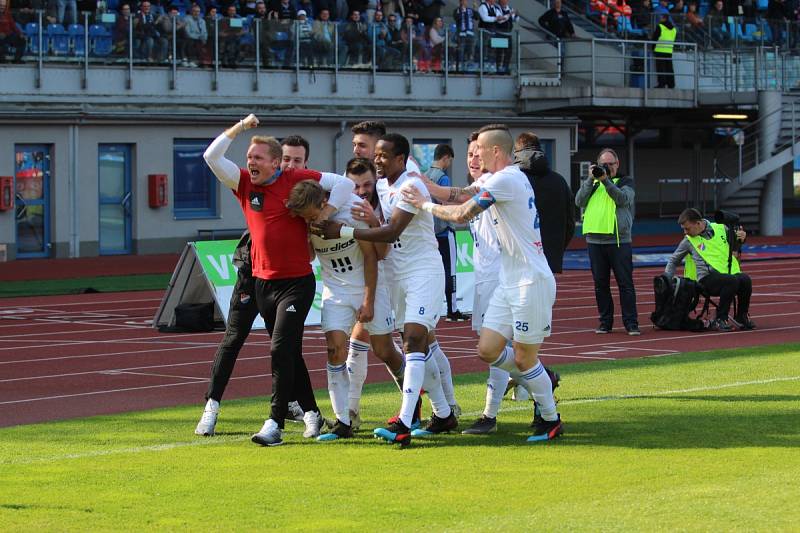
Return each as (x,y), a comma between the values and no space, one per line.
(707,252)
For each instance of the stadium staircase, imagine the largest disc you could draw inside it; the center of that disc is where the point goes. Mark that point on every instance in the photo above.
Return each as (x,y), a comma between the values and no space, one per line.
(743,192)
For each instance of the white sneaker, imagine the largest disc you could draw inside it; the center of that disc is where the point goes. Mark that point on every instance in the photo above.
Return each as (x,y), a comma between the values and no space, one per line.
(456,410)
(295,413)
(209,419)
(313,421)
(270,434)
(520,394)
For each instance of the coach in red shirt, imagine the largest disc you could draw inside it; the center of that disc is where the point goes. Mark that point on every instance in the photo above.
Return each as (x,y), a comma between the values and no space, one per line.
(285,284)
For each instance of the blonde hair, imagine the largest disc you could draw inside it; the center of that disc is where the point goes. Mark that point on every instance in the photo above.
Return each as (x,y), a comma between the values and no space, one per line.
(305,194)
(500,136)
(273,146)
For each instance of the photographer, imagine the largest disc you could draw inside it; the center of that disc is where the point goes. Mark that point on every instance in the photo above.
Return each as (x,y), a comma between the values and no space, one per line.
(710,260)
(607,199)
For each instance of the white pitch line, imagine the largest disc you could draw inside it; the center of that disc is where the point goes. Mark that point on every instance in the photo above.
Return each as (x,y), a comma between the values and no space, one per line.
(234,439)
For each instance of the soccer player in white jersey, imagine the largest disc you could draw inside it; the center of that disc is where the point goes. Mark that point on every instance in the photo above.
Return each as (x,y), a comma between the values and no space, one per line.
(521,306)
(365,138)
(417,285)
(349,275)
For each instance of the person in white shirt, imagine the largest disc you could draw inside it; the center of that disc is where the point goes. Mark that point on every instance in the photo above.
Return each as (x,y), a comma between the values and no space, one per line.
(521,306)
(417,284)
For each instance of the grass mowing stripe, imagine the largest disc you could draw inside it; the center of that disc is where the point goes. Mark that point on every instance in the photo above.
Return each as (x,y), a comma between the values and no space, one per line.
(526,407)
(722,458)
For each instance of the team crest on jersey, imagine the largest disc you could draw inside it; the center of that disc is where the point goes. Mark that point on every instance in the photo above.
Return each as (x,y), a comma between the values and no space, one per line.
(256,201)
(702,247)
(538,246)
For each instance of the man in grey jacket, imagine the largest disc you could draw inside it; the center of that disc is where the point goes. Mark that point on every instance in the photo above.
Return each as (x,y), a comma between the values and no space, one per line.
(608,202)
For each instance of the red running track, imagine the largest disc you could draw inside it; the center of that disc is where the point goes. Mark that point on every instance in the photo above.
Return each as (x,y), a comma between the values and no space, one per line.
(71,356)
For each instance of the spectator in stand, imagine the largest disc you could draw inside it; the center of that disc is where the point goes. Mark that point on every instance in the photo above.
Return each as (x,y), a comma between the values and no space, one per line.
(396,38)
(504,29)
(490,15)
(10,34)
(557,21)
(196,35)
(716,22)
(164,25)
(387,56)
(410,8)
(265,33)
(464,17)
(284,9)
(695,23)
(230,32)
(145,33)
(436,41)
(662,7)
(212,25)
(642,14)
(778,14)
(409,37)
(322,32)
(63,5)
(355,37)
(121,32)
(304,32)
(308,7)
(678,8)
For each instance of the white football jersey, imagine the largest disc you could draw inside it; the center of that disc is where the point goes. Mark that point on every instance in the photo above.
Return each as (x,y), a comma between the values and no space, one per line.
(416,250)
(486,247)
(342,260)
(510,195)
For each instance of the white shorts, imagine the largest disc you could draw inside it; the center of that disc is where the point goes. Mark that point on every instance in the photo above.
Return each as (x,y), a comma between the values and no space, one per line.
(482,293)
(523,313)
(418,300)
(339,311)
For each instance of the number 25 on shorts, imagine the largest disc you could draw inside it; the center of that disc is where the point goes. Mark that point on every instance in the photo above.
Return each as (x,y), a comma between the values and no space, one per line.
(520,326)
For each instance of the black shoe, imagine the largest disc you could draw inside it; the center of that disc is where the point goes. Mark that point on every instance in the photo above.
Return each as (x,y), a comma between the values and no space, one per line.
(340,430)
(546,429)
(396,433)
(457,316)
(482,426)
(437,425)
(603,329)
(555,378)
(720,324)
(743,322)
(415,418)
(633,331)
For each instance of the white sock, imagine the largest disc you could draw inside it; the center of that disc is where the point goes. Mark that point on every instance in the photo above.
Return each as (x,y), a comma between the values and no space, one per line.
(506,361)
(433,387)
(338,386)
(495,389)
(357,368)
(412,383)
(212,405)
(445,373)
(539,385)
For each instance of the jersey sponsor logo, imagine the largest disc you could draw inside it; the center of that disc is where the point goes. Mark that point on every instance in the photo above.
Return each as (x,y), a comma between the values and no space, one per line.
(484,199)
(339,246)
(539,247)
(256,201)
(291,309)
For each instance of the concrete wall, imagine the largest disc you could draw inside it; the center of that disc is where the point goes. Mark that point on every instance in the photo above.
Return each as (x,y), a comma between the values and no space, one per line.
(157,230)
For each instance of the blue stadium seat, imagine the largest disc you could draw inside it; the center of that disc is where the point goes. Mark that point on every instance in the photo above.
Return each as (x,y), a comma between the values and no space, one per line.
(58,38)
(76,38)
(762,5)
(32,34)
(99,40)
(112,5)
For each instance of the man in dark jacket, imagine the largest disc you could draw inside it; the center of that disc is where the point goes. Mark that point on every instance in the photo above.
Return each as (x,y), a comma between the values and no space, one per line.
(557,21)
(554,201)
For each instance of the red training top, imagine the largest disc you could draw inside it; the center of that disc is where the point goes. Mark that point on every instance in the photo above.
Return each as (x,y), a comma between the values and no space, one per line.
(278,249)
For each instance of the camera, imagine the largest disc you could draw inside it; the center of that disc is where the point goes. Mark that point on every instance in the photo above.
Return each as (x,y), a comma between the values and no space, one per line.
(599,170)
(729,218)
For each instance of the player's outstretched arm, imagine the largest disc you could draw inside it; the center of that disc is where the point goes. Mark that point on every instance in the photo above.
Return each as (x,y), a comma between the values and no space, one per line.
(226,171)
(445,194)
(462,213)
(329,229)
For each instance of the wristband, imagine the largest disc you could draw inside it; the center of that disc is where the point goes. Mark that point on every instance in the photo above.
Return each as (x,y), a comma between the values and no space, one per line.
(428,207)
(241,123)
(346,232)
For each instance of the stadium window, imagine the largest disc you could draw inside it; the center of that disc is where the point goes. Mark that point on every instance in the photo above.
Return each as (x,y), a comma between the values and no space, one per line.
(195,187)
(422,151)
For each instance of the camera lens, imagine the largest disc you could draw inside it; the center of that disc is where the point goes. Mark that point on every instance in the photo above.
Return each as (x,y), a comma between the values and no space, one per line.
(598,171)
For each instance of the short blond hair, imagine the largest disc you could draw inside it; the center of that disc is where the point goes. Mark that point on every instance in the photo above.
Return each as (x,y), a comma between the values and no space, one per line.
(500,136)
(273,146)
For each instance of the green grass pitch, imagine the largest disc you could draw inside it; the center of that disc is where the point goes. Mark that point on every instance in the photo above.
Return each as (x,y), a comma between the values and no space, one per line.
(706,441)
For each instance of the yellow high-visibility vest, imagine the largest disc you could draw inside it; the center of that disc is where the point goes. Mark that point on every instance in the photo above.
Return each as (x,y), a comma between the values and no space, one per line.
(665,39)
(714,251)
